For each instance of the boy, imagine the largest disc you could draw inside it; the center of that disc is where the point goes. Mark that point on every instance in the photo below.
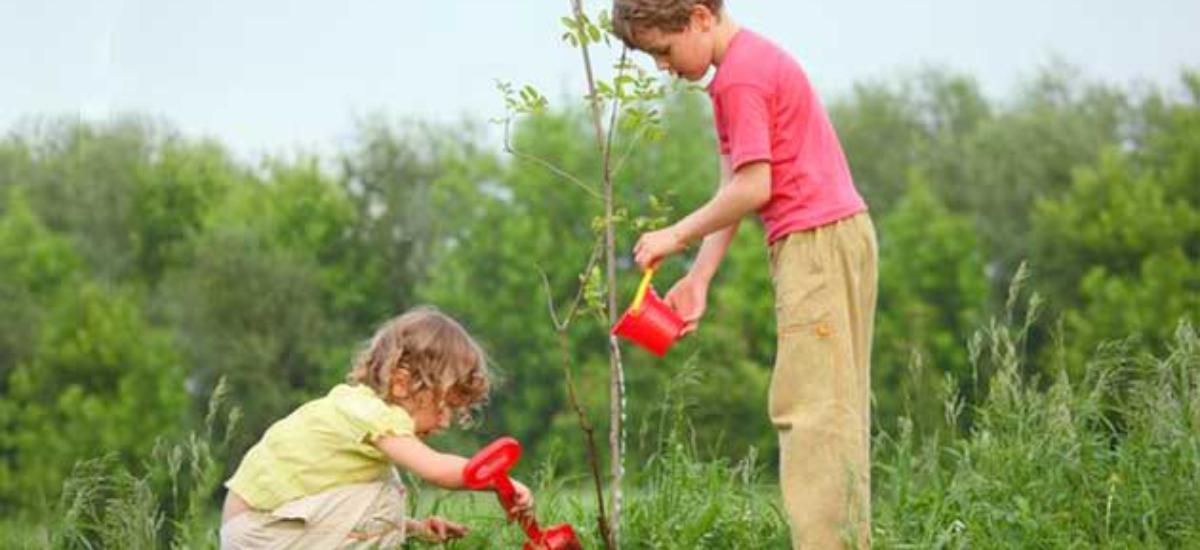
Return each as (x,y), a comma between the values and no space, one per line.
(780,157)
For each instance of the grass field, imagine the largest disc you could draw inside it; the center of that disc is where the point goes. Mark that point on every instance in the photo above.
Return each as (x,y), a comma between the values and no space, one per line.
(1112,460)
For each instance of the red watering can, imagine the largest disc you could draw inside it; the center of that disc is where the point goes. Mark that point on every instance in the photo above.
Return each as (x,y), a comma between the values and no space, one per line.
(489,469)
(650,322)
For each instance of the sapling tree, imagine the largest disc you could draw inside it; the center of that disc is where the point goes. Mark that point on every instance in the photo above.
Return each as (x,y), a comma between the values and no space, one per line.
(623,112)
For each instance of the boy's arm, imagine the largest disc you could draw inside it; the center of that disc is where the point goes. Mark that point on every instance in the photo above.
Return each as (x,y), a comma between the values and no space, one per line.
(689,295)
(716,243)
(748,189)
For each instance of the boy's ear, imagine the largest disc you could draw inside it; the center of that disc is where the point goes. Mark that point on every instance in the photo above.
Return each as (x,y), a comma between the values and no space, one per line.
(702,18)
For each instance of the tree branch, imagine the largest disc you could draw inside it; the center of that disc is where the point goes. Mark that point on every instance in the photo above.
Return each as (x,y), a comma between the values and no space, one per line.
(545,164)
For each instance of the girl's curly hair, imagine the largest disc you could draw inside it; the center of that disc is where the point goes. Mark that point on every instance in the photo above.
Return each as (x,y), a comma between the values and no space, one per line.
(438,354)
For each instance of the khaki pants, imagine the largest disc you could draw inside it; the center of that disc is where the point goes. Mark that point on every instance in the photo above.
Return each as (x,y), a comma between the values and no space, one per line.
(363,515)
(825,288)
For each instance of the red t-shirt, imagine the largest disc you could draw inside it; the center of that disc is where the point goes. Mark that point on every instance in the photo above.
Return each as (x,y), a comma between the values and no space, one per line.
(766,110)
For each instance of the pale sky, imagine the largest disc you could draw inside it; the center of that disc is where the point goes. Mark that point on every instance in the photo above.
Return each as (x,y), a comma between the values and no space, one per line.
(271,76)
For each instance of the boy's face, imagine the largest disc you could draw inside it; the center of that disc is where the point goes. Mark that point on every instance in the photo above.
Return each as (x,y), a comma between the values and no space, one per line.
(687,53)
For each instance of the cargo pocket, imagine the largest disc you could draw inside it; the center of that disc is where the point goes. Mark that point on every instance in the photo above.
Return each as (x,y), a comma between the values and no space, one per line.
(804,341)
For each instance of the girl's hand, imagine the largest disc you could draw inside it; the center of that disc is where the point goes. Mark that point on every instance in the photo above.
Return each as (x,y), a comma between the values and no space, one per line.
(522,499)
(688,298)
(654,245)
(436,529)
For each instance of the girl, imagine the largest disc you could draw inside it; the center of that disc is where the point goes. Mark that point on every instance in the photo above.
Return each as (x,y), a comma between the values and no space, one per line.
(322,477)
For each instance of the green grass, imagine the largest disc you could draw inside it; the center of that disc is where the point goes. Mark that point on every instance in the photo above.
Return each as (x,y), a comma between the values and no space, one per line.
(1110,461)
(677,501)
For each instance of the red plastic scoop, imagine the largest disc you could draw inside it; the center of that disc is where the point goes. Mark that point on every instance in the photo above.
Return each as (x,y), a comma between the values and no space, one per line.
(489,469)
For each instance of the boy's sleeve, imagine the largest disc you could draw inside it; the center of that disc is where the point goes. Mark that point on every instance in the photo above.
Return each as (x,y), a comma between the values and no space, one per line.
(743,124)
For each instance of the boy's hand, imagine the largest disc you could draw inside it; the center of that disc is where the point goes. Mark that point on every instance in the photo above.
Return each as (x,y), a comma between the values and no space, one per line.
(436,529)
(688,298)
(522,499)
(654,245)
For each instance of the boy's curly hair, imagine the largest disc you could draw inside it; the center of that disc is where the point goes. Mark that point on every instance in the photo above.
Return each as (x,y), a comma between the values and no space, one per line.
(631,16)
(438,354)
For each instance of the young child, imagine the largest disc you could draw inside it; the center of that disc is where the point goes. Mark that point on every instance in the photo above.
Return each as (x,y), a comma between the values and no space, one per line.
(322,477)
(780,157)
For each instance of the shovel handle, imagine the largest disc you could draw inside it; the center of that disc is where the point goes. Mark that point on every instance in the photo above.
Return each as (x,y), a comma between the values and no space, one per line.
(508,500)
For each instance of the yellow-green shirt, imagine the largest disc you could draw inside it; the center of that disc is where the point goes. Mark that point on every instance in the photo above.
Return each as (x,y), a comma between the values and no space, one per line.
(323,444)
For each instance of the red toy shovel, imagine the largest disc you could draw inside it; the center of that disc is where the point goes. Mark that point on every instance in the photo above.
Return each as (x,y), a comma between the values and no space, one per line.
(489,469)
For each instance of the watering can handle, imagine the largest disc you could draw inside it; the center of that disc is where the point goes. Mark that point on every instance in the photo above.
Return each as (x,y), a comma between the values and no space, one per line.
(643,287)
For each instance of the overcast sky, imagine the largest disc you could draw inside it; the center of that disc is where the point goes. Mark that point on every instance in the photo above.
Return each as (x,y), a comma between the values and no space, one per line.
(274,75)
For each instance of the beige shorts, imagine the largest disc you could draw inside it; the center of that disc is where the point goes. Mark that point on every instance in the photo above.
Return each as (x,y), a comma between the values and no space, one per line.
(363,515)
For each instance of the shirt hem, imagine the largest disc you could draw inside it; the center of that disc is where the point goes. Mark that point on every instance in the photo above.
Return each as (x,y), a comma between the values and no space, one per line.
(814,222)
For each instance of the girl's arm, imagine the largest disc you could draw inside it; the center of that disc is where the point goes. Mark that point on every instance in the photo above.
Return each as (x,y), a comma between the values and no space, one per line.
(441,469)
(444,470)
